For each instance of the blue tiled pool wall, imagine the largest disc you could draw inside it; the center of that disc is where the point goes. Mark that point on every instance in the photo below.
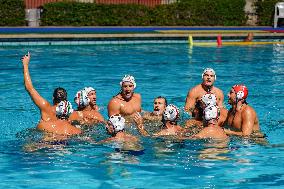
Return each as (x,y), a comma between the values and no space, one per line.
(122,40)
(118,29)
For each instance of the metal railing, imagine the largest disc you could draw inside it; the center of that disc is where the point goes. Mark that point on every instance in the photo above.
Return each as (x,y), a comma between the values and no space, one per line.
(31,4)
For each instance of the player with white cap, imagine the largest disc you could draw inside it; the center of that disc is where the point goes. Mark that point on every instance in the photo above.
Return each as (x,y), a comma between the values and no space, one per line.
(88,111)
(194,96)
(211,130)
(116,128)
(50,121)
(170,120)
(126,102)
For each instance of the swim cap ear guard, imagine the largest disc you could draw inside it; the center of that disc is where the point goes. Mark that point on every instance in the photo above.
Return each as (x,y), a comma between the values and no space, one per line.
(211,112)
(128,78)
(209,70)
(209,99)
(117,122)
(171,113)
(241,92)
(81,99)
(64,109)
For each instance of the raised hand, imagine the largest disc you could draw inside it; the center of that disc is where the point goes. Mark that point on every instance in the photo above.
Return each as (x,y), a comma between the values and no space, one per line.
(139,123)
(26,59)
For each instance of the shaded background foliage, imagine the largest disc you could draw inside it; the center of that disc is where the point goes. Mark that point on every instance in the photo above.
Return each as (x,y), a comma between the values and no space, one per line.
(12,13)
(184,13)
(265,11)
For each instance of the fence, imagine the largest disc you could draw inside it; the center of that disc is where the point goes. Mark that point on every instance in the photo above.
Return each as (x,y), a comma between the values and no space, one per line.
(150,3)
(32,4)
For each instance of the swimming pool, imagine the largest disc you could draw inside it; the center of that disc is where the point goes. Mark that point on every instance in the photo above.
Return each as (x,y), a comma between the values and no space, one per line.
(160,69)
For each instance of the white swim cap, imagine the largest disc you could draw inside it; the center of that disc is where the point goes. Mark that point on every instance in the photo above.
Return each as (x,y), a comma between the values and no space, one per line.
(88,89)
(209,99)
(128,78)
(81,99)
(171,113)
(211,112)
(117,122)
(64,109)
(208,70)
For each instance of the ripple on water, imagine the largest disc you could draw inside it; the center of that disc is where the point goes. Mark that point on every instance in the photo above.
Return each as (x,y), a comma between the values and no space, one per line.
(169,70)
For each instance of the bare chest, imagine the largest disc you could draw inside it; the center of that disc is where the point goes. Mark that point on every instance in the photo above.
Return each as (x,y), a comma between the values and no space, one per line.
(129,108)
(203,92)
(235,120)
(91,117)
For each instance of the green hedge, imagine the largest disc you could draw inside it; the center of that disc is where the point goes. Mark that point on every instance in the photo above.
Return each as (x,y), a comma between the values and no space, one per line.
(185,13)
(12,13)
(89,14)
(265,12)
(201,13)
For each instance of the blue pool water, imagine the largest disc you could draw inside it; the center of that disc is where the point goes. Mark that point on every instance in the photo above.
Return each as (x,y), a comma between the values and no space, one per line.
(162,69)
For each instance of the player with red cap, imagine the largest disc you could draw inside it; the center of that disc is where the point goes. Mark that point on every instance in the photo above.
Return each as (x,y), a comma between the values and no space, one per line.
(242,118)
(241,92)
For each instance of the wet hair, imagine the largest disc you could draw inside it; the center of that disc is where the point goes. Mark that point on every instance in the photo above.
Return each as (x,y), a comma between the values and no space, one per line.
(166,102)
(59,94)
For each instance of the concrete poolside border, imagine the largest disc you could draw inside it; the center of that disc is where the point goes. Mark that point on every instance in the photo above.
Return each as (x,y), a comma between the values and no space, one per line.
(91,35)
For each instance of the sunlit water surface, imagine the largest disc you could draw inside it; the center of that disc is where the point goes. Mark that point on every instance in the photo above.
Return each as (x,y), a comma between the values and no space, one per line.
(169,70)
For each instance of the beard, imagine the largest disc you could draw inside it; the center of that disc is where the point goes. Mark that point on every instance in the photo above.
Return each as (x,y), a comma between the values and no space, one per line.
(127,96)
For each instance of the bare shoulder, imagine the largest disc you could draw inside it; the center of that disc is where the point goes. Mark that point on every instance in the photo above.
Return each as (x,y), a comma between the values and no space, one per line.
(114,106)
(76,115)
(197,88)
(114,100)
(248,110)
(207,132)
(137,95)
(218,91)
(194,91)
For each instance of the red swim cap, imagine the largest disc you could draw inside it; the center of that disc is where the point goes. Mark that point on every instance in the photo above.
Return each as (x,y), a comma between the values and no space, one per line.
(241,91)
